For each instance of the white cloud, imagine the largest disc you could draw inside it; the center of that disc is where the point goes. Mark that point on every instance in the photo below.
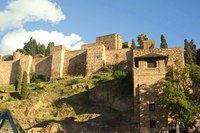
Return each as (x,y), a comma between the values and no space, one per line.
(15,39)
(18,12)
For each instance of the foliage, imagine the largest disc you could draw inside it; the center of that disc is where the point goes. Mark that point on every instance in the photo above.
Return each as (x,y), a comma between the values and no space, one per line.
(24,89)
(19,78)
(198,57)
(178,95)
(195,75)
(163,42)
(133,46)
(32,48)
(141,38)
(50,45)
(41,49)
(36,78)
(180,105)
(190,52)
(119,73)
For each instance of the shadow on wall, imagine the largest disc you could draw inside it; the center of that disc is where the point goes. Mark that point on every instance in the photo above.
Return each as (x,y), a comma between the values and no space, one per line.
(44,67)
(150,107)
(13,76)
(77,65)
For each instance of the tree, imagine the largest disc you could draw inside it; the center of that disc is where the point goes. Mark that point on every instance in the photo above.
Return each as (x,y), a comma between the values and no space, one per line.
(19,78)
(41,49)
(178,95)
(30,47)
(50,45)
(133,46)
(163,42)
(24,89)
(198,57)
(141,38)
(190,52)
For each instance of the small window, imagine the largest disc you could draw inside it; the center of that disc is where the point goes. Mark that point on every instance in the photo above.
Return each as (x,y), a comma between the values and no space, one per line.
(108,48)
(151,64)
(152,124)
(97,57)
(136,63)
(152,107)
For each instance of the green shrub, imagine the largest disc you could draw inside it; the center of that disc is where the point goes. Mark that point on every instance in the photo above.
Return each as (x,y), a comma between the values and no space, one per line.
(36,78)
(120,73)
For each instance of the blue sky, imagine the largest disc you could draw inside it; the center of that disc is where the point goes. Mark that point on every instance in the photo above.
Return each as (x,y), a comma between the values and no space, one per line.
(81,21)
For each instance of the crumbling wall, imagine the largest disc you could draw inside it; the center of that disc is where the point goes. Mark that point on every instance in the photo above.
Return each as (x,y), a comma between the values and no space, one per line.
(75,63)
(42,65)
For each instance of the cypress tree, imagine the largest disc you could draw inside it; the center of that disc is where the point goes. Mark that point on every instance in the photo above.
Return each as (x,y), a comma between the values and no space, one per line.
(24,90)
(198,57)
(133,46)
(19,79)
(190,52)
(163,42)
(194,51)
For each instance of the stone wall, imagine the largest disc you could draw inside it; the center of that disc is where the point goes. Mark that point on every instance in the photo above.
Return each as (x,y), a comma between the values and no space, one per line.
(121,57)
(111,42)
(8,72)
(75,63)
(146,83)
(95,58)
(57,65)
(26,63)
(42,65)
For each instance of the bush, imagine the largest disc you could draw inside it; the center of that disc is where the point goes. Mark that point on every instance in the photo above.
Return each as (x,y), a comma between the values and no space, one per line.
(120,73)
(36,78)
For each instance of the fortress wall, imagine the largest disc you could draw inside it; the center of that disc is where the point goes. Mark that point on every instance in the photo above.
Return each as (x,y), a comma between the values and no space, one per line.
(75,63)
(8,72)
(42,65)
(57,65)
(146,85)
(172,53)
(95,58)
(26,63)
(122,57)
(112,41)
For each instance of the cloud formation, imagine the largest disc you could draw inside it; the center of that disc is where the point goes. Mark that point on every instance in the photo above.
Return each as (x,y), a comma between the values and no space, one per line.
(19,12)
(15,39)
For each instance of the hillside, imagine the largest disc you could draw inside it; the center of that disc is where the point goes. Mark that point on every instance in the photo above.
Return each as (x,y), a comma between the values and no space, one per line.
(99,103)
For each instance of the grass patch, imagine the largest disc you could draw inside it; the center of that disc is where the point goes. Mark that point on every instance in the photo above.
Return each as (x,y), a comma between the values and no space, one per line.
(9,88)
